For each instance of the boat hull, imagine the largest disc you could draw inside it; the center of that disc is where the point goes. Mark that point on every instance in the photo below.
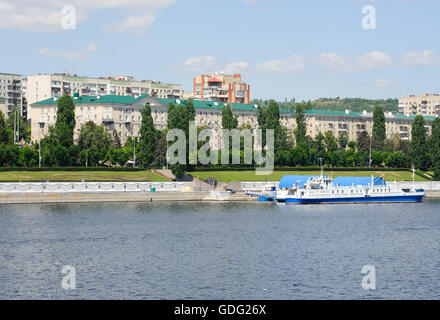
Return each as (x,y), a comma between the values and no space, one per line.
(378,199)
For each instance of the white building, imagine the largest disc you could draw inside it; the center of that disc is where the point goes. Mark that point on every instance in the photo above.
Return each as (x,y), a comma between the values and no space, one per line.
(44,86)
(11,92)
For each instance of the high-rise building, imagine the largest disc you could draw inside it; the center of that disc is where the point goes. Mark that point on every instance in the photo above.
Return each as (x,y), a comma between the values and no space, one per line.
(11,92)
(44,86)
(221,88)
(3,106)
(427,104)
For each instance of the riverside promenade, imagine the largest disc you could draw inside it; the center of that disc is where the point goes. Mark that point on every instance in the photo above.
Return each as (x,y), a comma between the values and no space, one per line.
(84,192)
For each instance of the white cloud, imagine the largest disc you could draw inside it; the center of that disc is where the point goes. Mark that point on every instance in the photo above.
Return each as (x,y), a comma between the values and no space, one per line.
(425,58)
(382,83)
(235,67)
(134,24)
(295,63)
(198,64)
(338,63)
(79,54)
(373,60)
(46,15)
(334,62)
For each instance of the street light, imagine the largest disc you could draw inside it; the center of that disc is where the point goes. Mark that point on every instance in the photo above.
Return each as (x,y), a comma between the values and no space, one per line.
(134,149)
(39,147)
(370,160)
(167,157)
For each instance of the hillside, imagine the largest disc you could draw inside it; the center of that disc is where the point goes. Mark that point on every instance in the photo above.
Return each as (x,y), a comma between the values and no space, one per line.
(355,104)
(352,104)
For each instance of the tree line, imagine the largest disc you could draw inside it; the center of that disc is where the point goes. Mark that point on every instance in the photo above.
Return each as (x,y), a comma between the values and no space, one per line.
(97,146)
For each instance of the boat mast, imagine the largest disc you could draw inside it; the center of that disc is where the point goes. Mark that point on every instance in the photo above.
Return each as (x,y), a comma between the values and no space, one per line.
(413,174)
(322,169)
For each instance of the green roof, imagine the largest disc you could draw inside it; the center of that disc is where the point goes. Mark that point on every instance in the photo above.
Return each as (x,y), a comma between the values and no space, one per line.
(333,113)
(198,104)
(114,99)
(411,117)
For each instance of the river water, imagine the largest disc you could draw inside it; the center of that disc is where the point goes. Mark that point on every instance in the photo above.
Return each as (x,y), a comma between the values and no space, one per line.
(220,251)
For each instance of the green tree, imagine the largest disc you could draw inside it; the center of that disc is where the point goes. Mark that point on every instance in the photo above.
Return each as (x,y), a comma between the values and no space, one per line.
(20,126)
(160,149)
(179,117)
(272,116)
(65,122)
(147,138)
(418,143)
(343,140)
(330,142)
(379,129)
(363,142)
(116,140)
(9,155)
(435,148)
(261,119)
(28,157)
(94,142)
(229,120)
(282,141)
(48,144)
(5,133)
(301,127)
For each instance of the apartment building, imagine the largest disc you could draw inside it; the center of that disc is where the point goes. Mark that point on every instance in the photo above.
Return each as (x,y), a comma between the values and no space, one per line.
(221,88)
(11,92)
(44,86)
(427,104)
(3,105)
(123,114)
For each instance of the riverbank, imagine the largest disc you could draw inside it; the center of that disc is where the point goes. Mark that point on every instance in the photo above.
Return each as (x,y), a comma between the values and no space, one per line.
(120,197)
(136,197)
(84,192)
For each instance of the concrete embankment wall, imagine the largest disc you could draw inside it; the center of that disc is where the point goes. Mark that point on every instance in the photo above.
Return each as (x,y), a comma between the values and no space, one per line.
(113,197)
(66,192)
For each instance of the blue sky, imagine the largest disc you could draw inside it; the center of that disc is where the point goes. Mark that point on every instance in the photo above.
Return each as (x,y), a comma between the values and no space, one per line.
(283,49)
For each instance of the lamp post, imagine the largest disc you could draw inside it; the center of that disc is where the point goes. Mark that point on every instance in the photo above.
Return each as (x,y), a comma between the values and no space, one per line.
(167,158)
(39,148)
(134,149)
(39,153)
(370,160)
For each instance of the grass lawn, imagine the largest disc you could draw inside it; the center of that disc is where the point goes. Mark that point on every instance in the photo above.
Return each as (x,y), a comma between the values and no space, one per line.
(229,176)
(55,176)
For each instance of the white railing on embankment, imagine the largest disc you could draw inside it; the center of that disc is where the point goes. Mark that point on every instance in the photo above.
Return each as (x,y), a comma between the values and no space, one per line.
(73,187)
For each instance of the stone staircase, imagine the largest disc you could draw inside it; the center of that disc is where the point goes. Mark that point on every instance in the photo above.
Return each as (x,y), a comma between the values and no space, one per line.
(167,174)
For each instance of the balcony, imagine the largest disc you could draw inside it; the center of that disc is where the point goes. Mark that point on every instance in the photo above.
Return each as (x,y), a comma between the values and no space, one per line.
(107,120)
(14,88)
(240,94)
(404,129)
